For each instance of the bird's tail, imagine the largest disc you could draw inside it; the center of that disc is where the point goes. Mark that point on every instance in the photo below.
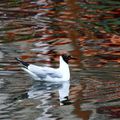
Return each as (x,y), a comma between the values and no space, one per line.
(22,62)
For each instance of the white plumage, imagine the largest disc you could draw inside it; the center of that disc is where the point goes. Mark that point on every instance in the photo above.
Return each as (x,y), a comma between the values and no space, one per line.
(62,73)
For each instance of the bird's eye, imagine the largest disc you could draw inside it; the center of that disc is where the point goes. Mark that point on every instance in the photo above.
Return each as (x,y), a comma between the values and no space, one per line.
(69,57)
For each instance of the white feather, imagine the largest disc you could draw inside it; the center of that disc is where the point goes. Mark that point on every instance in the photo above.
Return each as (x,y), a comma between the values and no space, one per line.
(50,74)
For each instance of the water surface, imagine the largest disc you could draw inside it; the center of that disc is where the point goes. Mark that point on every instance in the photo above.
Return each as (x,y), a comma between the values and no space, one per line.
(38,31)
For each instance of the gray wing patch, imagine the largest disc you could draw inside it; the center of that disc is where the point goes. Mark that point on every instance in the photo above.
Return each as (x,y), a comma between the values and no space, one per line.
(53,75)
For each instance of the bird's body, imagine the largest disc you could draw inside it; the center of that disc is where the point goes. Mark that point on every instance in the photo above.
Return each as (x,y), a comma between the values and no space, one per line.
(62,73)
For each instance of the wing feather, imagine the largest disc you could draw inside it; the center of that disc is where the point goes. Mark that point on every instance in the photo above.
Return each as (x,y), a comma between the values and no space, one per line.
(44,71)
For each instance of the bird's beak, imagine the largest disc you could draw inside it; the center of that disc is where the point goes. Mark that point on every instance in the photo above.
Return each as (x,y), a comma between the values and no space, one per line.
(72,58)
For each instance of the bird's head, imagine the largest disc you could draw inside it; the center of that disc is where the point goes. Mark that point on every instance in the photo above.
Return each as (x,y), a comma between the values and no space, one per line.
(66,57)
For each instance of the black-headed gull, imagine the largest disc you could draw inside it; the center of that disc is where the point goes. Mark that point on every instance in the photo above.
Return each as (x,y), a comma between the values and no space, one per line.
(62,73)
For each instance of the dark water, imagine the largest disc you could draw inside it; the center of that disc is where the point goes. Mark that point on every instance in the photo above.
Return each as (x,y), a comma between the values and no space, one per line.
(38,31)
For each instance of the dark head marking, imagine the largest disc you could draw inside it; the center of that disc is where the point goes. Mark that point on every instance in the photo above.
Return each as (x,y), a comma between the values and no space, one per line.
(66,58)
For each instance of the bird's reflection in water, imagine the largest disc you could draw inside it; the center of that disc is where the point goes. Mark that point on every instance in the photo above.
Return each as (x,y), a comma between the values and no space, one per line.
(64,93)
(40,89)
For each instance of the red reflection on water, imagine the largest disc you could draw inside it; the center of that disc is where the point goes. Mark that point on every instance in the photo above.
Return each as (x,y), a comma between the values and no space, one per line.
(112,111)
(57,28)
(85,115)
(102,92)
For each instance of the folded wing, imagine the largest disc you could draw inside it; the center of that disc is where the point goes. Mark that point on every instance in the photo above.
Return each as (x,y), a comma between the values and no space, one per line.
(43,72)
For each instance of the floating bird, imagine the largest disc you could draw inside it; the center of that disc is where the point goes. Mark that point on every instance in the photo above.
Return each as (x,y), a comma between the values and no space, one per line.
(62,73)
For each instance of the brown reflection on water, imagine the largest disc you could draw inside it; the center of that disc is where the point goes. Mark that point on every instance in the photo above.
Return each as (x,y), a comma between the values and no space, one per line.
(85,115)
(37,32)
(112,111)
(110,90)
(103,95)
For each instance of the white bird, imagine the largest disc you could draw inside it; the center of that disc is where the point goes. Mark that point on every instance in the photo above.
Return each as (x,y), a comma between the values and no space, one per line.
(62,73)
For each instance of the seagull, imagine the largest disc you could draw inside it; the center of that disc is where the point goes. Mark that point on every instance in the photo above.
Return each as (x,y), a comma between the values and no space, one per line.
(62,73)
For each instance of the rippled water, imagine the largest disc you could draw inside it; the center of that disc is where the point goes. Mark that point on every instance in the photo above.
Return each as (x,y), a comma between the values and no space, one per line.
(38,31)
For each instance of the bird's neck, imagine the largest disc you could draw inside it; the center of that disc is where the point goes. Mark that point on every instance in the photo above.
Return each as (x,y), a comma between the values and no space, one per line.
(64,69)
(63,64)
